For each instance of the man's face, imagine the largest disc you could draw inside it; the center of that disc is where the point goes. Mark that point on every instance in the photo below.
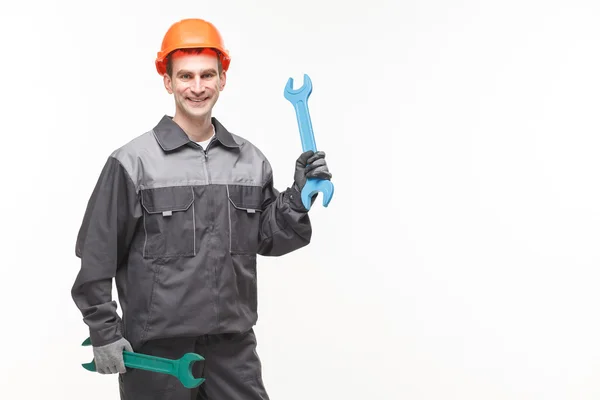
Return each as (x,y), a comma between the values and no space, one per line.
(195,84)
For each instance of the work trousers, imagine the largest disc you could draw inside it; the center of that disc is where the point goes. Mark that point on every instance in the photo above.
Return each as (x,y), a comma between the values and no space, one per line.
(232,370)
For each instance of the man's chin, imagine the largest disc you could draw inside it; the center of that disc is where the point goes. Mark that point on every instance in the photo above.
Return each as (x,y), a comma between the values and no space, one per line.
(197,112)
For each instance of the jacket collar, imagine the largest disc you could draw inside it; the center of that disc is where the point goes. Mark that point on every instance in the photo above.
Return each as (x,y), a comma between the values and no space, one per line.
(170,136)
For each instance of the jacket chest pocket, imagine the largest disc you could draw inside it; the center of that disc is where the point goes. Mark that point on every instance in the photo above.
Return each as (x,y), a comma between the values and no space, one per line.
(169,222)
(244,218)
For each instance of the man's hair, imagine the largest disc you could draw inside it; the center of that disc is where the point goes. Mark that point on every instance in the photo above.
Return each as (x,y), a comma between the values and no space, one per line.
(193,51)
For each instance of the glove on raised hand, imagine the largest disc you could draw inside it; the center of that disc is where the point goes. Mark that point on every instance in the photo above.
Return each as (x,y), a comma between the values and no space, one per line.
(109,358)
(310,164)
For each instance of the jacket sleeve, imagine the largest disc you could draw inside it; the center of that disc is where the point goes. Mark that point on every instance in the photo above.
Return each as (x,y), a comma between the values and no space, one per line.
(285,225)
(108,225)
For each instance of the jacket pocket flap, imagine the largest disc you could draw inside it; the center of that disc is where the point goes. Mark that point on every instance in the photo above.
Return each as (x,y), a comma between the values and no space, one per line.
(166,199)
(247,198)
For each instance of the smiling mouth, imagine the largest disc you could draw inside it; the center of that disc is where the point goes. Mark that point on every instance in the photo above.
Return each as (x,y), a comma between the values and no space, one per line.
(197,101)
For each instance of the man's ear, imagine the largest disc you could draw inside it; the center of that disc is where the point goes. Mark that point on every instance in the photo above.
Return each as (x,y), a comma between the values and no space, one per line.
(168,83)
(223,80)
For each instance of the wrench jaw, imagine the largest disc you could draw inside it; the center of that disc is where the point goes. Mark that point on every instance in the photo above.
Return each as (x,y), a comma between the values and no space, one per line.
(91,366)
(302,93)
(312,187)
(185,373)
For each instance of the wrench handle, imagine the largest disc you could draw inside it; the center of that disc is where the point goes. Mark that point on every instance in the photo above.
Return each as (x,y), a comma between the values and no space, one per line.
(307,136)
(150,363)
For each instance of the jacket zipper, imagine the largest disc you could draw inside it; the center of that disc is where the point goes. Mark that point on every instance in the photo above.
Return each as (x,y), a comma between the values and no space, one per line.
(212,229)
(205,162)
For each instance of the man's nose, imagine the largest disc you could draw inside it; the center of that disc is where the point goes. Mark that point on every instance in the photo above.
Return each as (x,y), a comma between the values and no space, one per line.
(197,86)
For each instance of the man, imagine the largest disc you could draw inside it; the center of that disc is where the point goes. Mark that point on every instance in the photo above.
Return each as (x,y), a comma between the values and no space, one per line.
(177,218)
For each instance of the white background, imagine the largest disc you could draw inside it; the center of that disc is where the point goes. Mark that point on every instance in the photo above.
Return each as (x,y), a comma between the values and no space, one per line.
(459,256)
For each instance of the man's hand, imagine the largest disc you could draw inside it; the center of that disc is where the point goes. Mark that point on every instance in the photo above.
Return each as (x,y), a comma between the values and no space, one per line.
(109,358)
(310,165)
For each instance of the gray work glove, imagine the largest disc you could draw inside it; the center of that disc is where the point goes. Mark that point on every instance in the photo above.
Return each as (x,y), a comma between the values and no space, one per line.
(109,358)
(308,165)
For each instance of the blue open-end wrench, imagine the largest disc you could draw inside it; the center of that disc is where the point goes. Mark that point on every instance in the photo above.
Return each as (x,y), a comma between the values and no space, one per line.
(299,99)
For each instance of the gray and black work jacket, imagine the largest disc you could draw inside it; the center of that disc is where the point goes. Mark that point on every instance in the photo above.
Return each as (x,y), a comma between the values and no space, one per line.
(179,229)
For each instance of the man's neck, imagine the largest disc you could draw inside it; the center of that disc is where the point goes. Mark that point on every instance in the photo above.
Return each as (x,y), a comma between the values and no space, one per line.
(197,130)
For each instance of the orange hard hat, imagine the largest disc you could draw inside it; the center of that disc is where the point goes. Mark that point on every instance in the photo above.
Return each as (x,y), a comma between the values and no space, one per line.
(191,33)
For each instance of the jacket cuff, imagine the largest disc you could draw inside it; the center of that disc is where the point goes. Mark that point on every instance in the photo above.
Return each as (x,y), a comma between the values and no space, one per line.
(294,199)
(105,336)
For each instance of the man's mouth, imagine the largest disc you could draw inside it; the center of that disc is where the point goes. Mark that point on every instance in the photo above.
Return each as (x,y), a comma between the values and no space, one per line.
(197,100)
